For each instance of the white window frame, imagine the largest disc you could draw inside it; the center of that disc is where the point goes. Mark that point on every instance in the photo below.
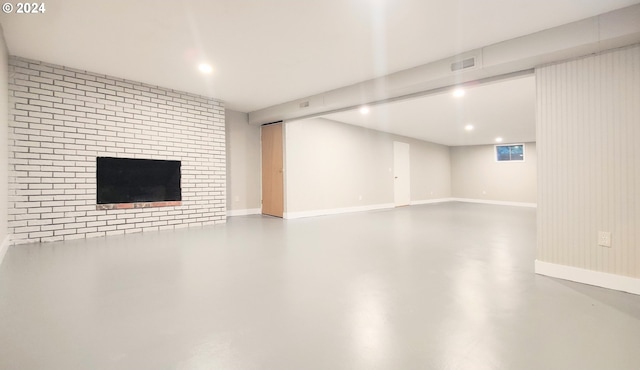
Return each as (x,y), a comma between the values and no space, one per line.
(495,153)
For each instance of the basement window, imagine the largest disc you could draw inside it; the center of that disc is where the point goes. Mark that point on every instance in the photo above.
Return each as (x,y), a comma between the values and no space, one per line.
(510,153)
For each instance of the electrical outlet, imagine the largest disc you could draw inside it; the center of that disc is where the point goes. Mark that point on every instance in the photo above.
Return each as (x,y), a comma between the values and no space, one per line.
(360,197)
(604,239)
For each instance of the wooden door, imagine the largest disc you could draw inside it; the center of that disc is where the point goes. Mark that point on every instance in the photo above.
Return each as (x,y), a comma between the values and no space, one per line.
(272,174)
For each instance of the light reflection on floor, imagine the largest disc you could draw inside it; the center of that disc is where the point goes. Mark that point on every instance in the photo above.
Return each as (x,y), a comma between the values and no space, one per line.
(443,286)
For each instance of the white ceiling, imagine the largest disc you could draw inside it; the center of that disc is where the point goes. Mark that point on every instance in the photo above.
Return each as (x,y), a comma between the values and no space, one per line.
(503,109)
(266,52)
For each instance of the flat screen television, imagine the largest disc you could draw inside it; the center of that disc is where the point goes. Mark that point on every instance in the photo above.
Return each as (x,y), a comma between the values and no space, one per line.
(125,180)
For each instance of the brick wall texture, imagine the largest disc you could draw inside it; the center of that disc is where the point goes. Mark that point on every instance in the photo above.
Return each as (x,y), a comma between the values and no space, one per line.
(61,119)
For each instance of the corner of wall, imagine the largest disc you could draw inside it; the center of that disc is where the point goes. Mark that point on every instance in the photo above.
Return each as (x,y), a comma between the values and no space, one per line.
(4,247)
(590,277)
(243,164)
(4,144)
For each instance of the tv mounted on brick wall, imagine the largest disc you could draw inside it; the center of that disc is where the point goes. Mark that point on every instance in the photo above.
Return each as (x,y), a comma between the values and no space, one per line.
(125,180)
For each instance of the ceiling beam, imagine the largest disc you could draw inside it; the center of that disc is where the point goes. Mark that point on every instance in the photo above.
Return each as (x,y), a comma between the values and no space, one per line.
(592,35)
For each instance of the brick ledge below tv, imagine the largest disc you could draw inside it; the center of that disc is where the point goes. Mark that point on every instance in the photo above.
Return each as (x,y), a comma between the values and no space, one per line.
(138,205)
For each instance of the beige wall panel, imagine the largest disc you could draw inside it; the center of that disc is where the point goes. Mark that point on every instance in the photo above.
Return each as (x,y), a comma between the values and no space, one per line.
(243,162)
(475,174)
(589,163)
(331,165)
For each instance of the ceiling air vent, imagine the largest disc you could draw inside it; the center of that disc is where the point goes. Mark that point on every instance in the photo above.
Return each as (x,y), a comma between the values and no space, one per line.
(463,64)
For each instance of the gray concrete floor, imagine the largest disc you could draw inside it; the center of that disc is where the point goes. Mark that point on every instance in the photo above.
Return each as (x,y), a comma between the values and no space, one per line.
(448,286)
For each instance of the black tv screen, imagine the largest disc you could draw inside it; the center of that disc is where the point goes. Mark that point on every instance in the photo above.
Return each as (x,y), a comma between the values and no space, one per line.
(124,180)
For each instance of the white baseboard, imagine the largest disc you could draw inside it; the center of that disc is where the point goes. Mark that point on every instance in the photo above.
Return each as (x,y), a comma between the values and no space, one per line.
(4,247)
(597,278)
(243,212)
(335,211)
(496,202)
(430,201)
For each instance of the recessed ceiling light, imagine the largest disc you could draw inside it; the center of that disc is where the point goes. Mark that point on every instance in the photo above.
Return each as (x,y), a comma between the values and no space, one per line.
(364,110)
(498,140)
(468,127)
(205,68)
(459,92)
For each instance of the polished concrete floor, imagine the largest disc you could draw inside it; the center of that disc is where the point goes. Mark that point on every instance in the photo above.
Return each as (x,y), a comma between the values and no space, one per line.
(447,286)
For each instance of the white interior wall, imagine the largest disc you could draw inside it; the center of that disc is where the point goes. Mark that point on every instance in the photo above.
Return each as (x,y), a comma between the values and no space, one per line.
(430,170)
(589,164)
(4,145)
(243,164)
(476,175)
(331,166)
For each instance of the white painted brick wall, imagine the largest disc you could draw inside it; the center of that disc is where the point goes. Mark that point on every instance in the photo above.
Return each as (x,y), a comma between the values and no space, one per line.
(61,119)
